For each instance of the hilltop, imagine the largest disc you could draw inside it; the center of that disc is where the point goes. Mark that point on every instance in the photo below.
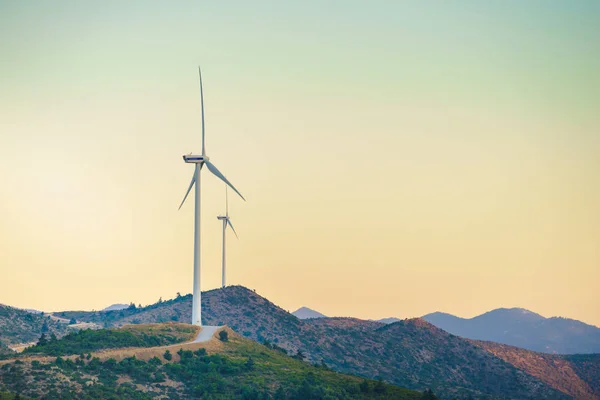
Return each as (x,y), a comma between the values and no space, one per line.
(230,367)
(523,328)
(410,353)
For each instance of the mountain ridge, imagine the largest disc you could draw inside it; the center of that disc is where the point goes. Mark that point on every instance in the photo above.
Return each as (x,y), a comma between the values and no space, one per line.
(525,329)
(409,353)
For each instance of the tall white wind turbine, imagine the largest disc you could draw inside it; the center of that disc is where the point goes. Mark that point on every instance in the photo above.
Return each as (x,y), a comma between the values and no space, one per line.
(200,161)
(226,221)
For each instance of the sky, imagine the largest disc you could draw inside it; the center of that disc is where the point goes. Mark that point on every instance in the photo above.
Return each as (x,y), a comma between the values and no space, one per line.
(398,158)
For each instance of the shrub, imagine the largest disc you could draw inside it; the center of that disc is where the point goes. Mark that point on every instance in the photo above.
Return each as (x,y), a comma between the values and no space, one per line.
(224,336)
(364,386)
(200,352)
(168,356)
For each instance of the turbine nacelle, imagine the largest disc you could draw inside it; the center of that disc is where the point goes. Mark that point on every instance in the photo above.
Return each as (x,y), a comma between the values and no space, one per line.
(222,217)
(195,159)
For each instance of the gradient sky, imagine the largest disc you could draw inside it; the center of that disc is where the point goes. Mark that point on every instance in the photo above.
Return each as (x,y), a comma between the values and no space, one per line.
(398,158)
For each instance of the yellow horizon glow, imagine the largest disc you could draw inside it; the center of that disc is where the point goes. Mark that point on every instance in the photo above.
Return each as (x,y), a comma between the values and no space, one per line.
(397,160)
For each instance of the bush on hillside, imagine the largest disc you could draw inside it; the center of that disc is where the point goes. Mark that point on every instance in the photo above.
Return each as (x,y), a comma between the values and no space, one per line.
(224,336)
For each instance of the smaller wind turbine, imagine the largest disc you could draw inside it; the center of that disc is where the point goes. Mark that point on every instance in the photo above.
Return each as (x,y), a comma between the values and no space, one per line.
(226,221)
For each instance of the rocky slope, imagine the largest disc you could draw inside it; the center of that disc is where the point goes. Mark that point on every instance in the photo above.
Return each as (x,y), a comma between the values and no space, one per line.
(20,326)
(555,370)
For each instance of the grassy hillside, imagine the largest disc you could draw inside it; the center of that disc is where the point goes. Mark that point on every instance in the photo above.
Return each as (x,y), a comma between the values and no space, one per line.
(411,353)
(19,326)
(239,369)
(85,341)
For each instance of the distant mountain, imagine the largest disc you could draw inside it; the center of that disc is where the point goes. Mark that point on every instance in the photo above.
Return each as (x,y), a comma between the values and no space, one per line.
(306,313)
(389,320)
(410,353)
(115,307)
(523,328)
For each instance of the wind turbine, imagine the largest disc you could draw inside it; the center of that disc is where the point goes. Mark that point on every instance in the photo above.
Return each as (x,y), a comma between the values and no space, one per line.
(226,221)
(200,161)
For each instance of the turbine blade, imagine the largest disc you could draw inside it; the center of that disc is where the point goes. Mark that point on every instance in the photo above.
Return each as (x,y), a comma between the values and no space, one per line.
(202,107)
(214,170)
(188,191)
(232,228)
(226,203)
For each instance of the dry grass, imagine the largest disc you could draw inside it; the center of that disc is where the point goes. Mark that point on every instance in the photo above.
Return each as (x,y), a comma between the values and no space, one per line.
(212,346)
(181,332)
(185,332)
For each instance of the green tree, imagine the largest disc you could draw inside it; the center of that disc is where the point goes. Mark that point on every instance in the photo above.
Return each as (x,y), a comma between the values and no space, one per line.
(200,352)
(224,336)
(428,395)
(299,355)
(73,321)
(379,387)
(168,356)
(364,386)
(43,341)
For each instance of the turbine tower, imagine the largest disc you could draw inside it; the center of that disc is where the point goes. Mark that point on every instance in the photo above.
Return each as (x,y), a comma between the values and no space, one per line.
(200,161)
(226,221)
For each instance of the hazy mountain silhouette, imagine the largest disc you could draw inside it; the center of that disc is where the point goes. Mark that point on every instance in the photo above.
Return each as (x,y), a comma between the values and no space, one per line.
(116,307)
(389,320)
(306,313)
(523,328)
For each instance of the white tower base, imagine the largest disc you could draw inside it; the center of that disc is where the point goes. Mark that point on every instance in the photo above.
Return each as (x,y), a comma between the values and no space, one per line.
(197,300)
